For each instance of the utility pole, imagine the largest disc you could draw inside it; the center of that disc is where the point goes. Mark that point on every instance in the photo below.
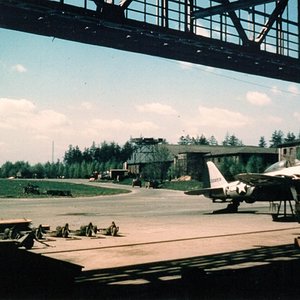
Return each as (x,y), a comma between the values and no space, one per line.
(52,151)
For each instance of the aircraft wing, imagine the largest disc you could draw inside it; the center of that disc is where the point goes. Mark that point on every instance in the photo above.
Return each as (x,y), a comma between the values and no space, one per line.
(256,179)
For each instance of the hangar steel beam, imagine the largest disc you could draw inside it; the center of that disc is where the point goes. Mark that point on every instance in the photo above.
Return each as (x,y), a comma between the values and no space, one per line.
(231,6)
(237,24)
(280,6)
(125,4)
(165,28)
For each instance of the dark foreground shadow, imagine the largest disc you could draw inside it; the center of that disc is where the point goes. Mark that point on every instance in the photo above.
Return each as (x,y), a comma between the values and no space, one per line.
(261,273)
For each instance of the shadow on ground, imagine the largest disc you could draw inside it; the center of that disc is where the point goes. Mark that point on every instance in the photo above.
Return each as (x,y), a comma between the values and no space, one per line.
(261,273)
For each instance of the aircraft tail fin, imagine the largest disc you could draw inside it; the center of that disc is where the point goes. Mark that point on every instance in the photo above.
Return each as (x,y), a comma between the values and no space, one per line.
(215,176)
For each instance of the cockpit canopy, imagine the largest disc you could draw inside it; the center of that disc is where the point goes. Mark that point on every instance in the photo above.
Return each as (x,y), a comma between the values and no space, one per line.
(282,165)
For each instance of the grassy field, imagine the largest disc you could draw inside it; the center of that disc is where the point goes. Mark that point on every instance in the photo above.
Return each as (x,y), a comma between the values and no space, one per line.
(183,185)
(15,189)
(172,185)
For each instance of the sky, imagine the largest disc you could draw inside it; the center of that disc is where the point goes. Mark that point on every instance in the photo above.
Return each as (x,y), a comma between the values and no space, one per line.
(55,93)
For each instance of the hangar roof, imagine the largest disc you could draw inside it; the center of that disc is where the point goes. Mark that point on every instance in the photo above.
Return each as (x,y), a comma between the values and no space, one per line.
(290,144)
(144,156)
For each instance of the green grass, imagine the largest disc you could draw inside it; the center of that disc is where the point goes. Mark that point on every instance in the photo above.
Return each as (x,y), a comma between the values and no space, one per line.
(172,185)
(14,189)
(182,185)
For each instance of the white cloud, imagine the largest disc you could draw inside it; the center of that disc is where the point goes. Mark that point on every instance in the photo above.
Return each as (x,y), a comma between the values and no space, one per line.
(28,130)
(157,108)
(24,115)
(258,99)
(117,125)
(12,111)
(185,65)
(86,105)
(274,120)
(24,123)
(293,89)
(200,30)
(216,121)
(41,138)
(215,117)
(19,68)
(297,116)
(49,120)
(8,106)
(270,48)
(116,129)
(276,91)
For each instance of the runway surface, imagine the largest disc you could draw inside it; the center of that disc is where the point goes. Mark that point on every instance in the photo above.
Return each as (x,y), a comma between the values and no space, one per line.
(162,232)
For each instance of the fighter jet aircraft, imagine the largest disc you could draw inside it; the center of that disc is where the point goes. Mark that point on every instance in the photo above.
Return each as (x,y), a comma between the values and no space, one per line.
(280,182)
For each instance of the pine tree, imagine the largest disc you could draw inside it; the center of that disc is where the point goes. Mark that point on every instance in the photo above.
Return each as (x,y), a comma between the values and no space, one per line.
(262,142)
(290,137)
(212,141)
(277,138)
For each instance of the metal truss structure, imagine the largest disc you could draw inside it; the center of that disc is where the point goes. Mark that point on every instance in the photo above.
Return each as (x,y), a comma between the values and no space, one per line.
(259,37)
(145,149)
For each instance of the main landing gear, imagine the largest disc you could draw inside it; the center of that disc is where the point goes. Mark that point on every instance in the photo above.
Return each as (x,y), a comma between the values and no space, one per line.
(231,208)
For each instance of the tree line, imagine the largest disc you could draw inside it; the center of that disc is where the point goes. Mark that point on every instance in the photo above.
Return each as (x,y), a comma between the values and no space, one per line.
(78,163)
(277,138)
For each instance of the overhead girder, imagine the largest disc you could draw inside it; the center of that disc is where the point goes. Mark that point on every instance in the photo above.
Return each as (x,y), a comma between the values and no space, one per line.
(125,4)
(236,22)
(107,26)
(227,7)
(231,7)
(280,6)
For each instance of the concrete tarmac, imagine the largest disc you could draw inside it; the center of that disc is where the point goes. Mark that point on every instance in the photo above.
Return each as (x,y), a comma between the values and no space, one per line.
(161,234)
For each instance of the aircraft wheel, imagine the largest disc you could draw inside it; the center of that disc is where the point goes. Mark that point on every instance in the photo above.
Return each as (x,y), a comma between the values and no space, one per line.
(233,207)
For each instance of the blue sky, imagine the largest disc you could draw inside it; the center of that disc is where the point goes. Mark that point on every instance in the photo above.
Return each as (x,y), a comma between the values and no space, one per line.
(72,93)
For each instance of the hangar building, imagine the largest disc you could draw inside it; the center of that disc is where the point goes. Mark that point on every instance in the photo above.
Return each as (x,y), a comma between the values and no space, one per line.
(190,159)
